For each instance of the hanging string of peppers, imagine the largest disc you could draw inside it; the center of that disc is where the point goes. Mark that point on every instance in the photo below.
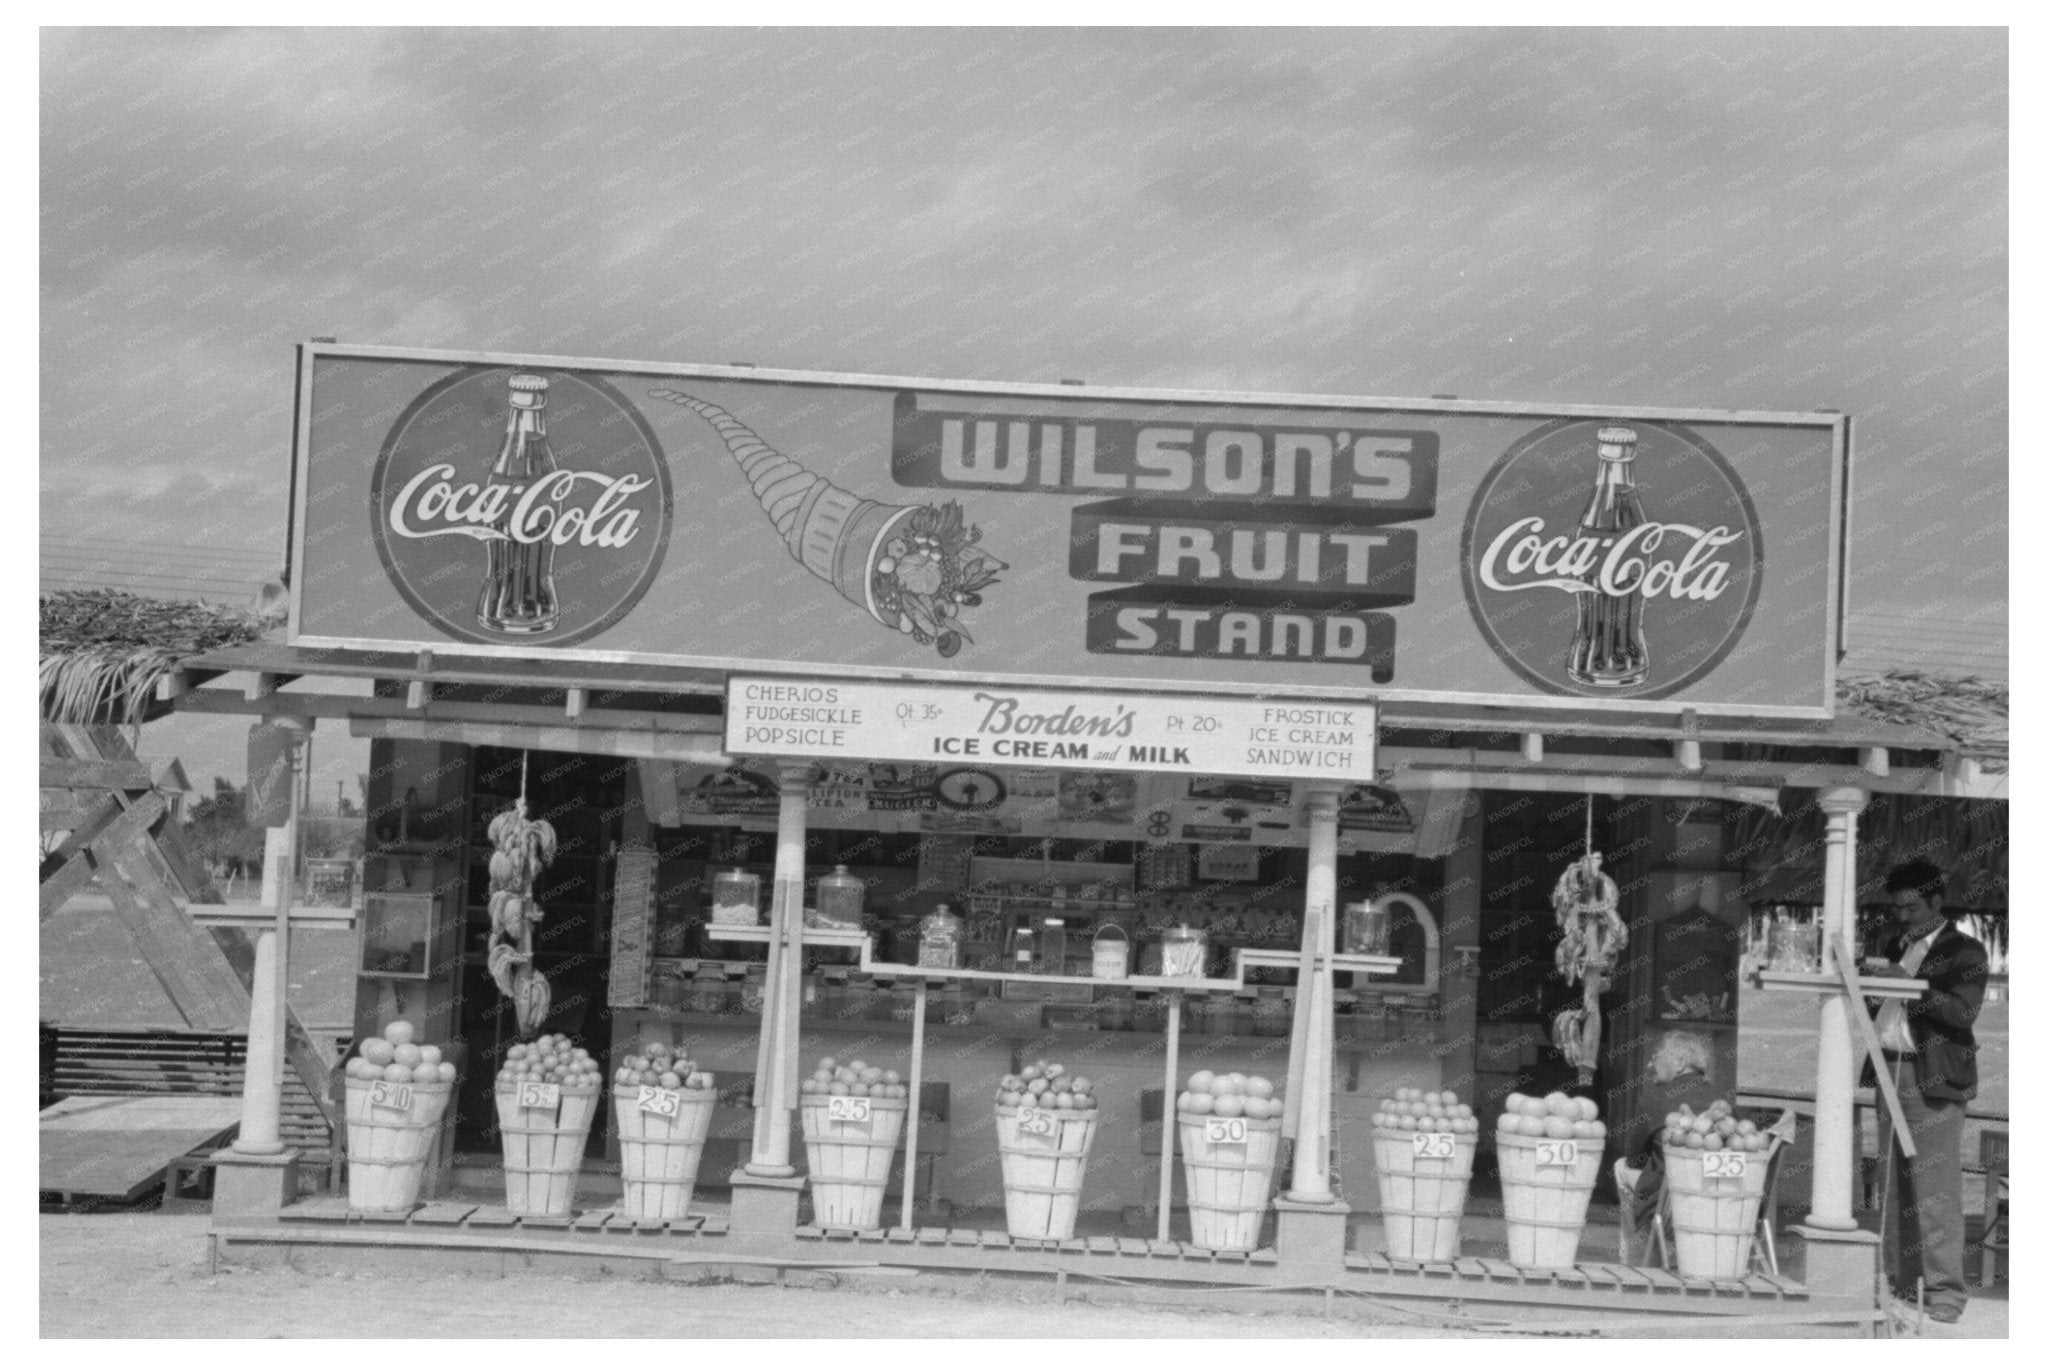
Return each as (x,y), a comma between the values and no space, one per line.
(1587,904)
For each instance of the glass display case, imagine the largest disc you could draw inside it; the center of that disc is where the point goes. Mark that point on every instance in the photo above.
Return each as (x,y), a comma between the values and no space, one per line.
(397,936)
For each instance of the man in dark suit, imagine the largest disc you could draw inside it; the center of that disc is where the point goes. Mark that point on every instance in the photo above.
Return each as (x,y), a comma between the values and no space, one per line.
(1929,1048)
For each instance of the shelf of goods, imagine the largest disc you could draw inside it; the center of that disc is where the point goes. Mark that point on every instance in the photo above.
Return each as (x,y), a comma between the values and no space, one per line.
(1827,983)
(1246,959)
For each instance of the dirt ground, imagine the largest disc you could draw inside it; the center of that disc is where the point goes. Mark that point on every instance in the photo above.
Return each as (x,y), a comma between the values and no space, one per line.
(144,1275)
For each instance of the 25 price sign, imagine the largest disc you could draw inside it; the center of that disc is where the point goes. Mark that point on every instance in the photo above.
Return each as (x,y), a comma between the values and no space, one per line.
(848,1109)
(1562,1153)
(390,1095)
(539,1095)
(1435,1146)
(1038,1123)
(655,1100)
(1726,1165)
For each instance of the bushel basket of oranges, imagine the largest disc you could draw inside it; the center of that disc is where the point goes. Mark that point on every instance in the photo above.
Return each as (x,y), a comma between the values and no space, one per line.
(1045,1125)
(1422,1146)
(397,1095)
(1715,1168)
(853,1116)
(663,1105)
(1229,1144)
(548,1092)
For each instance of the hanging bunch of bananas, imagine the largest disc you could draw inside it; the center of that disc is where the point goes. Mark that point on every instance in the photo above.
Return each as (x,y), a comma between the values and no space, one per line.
(1587,903)
(521,850)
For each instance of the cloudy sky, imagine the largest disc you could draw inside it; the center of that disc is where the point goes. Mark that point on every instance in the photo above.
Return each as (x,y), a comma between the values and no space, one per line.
(1766,219)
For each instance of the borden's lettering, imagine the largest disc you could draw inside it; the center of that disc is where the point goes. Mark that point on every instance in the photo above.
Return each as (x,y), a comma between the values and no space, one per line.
(1007,716)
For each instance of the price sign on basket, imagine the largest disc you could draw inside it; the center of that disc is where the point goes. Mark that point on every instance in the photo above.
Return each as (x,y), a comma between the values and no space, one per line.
(1036,1123)
(539,1094)
(848,1109)
(1563,1153)
(1436,1146)
(655,1100)
(1726,1165)
(390,1095)
(1226,1132)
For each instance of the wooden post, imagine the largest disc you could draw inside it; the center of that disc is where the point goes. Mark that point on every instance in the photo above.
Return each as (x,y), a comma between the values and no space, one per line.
(1313,1027)
(916,1105)
(1834,1089)
(775,1079)
(1169,1117)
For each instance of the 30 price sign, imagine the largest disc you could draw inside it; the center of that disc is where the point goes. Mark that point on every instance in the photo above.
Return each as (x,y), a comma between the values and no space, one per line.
(390,1095)
(1564,1153)
(1435,1146)
(1038,1123)
(655,1100)
(848,1109)
(1227,1132)
(1726,1165)
(539,1094)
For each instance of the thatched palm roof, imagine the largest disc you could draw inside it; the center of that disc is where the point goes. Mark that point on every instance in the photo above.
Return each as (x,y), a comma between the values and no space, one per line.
(102,651)
(1974,712)
(1967,839)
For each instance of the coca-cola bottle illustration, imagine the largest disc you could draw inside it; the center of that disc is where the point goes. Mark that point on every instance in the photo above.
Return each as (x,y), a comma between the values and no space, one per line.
(1608,649)
(518,596)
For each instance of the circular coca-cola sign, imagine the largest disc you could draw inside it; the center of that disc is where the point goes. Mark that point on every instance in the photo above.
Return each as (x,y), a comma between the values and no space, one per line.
(521,506)
(1612,558)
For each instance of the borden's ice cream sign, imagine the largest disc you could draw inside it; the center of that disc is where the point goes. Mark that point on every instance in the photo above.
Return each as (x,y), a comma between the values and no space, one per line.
(858,527)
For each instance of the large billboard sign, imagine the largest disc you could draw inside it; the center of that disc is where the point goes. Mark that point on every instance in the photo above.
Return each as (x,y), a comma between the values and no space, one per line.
(859,527)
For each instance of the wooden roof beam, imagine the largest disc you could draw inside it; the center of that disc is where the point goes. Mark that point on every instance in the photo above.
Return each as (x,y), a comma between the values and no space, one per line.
(179,681)
(354,706)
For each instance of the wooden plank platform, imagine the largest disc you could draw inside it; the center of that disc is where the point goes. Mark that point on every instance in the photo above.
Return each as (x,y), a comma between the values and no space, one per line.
(443,1215)
(1140,1265)
(119,1146)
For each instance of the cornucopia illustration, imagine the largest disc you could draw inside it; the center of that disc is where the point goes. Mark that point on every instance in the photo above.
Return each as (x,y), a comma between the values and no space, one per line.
(913,569)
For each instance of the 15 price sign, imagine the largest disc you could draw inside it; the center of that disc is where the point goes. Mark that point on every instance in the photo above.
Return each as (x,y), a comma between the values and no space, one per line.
(848,1109)
(390,1095)
(1726,1165)
(655,1100)
(1561,1153)
(539,1094)
(1435,1146)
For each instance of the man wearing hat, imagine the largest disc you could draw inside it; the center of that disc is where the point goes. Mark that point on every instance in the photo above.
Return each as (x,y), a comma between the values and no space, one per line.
(1931,1052)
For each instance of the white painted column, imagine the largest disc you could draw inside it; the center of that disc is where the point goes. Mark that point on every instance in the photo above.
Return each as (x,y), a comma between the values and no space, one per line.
(262,1075)
(1310,1098)
(1834,1087)
(263,1062)
(775,1072)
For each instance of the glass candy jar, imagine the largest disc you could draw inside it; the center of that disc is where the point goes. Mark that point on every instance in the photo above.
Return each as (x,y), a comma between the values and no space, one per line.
(839,901)
(1183,952)
(941,940)
(735,897)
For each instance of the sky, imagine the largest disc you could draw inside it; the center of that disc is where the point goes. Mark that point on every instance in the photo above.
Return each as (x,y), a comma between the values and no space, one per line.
(1773,219)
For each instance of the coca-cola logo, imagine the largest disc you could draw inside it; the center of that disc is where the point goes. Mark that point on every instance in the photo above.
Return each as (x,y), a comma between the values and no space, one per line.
(521,506)
(1612,559)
